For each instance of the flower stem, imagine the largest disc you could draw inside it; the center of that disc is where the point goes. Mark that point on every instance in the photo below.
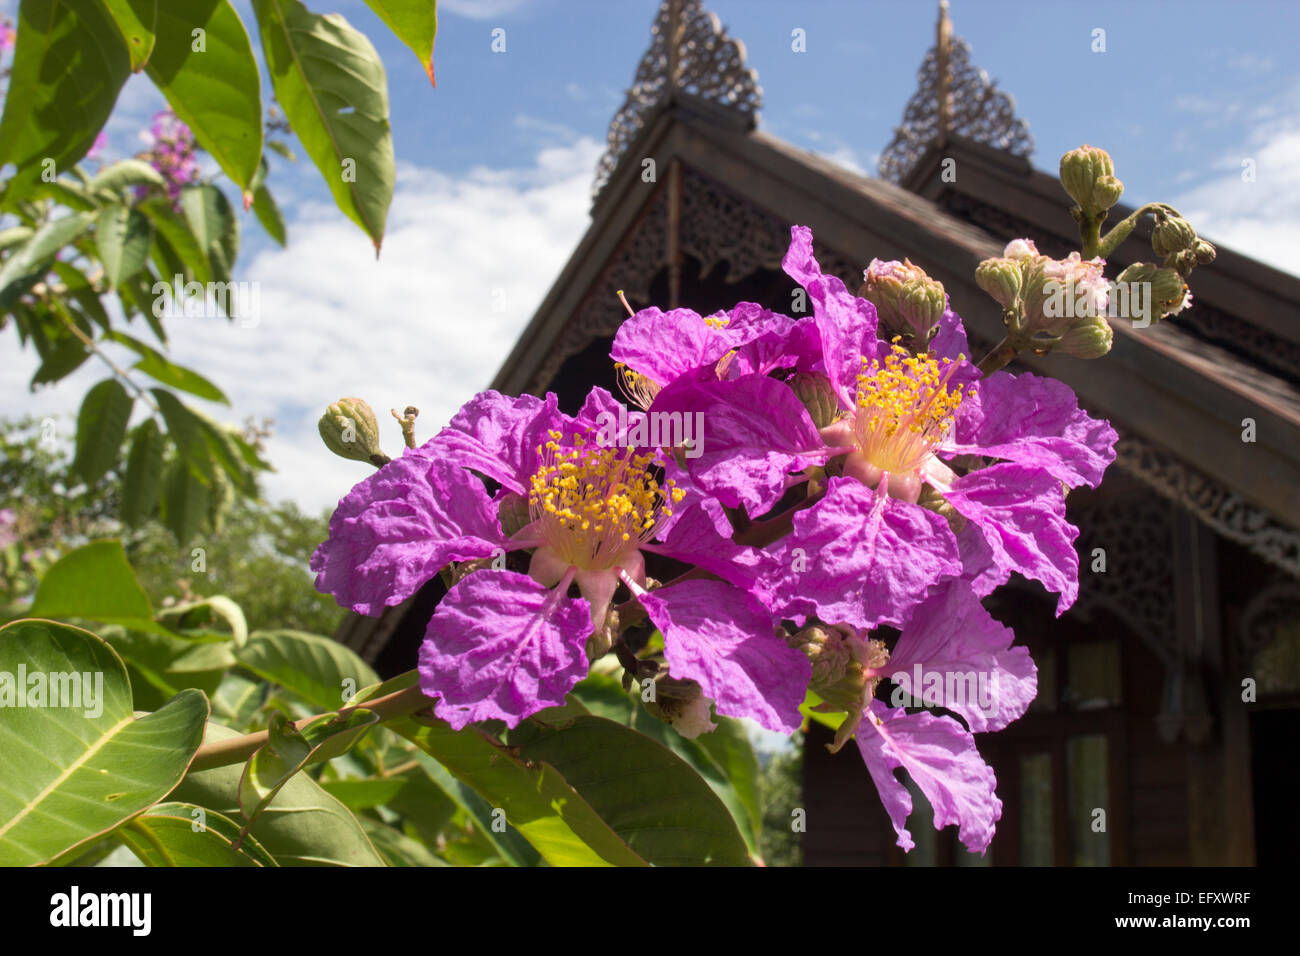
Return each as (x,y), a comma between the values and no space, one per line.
(223,753)
(1000,357)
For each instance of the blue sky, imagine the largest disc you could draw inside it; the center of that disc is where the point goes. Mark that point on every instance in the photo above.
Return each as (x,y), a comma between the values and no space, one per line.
(495,166)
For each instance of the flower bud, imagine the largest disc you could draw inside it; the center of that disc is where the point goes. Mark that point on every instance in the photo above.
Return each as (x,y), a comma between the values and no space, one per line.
(1020,249)
(349,429)
(1169,293)
(1172,234)
(1089,339)
(682,704)
(1204,252)
(905,298)
(845,671)
(1088,175)
(1057,292)
(818,396)
(1001,279)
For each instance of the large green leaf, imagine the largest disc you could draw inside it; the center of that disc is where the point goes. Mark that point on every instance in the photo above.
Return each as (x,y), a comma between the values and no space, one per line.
(398,848)
(112,180)
(331,85)
(305,826)
(171,227)
(135,21)
(321,671)
(415,22)
(29,263)
(211,81)
(69,64)
(72,773)
(534,797)
(94,582)
(647,794)
(186,497)
(182,834)
(214,226)
(101,429)
(122,237)
(143,478)
(162,665)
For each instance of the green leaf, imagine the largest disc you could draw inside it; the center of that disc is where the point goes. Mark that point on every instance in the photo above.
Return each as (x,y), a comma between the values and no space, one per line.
(162,369)
(135,21)
(69,64)
(161,665)
(123,174)
(364,794)
(94,582)
(647,794)
(194,620)
(184,427)
(185,500)
(182,834)
(29,263)
(215,90)
(415,22)
(14,236)
(81,291)
(64,352)
(143,478)
(283,150)
(122,237)
(287,751)
(305,826)
(101,428)
(170,226)
(72,773)
(331,85)
(535,797)
(398,848)
(732,752)
(268,214)
(321,671)
(214,225)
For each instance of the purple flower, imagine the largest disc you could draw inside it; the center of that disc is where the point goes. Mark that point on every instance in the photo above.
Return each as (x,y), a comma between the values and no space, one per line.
(504,645)
(172,152)
(7,36)
(97,147)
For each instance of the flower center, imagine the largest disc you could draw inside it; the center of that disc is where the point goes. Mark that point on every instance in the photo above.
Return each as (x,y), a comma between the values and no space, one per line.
(593,505)
(904,408)
(638,389)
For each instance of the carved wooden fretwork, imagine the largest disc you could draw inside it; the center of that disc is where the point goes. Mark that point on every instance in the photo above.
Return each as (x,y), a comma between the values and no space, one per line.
(706,62)
(953,96)
(1137,585)
(1223,510)
(1274,606)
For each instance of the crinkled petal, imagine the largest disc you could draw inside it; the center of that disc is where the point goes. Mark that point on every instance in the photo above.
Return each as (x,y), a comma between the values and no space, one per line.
(861,558)
(1033,421)
(695,539)
(755,432)
(846,323)
(980,676)
(1021,512)
(666,345)
(943,762)
(722,638)
(798,346)
(396,529)
(498,435)
(502,647)
(950,341)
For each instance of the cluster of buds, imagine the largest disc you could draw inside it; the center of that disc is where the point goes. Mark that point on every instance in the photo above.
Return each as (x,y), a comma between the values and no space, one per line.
(908,302)
(1174,240)
(1169,292)
(845,671)
(818,396)
(1050,304)
(682,704)
(1088,175)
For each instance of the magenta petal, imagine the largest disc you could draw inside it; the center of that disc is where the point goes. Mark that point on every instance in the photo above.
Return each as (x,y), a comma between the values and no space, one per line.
(755,432)
(722,638)
(846,323)
(666,345)
(1033,421)
(861,559)
(498,435)
(502,647)
(396,529)
(981,677)
(950,340)
(943,762)
(1021,513)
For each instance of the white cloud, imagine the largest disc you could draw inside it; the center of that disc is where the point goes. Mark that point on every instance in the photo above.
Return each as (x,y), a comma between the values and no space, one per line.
(480,9)
(465,262)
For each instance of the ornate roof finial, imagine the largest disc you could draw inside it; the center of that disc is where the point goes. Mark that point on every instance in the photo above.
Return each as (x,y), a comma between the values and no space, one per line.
(689,51)
(953,96)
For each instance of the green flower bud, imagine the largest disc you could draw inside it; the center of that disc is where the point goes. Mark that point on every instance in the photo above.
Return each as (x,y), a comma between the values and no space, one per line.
(818,396)
(845,671)
(1089,339)
(349,429)
(1088,175)
(1000,277)
(921,304)
(1204,252)
(1169,293)
(1172,234)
